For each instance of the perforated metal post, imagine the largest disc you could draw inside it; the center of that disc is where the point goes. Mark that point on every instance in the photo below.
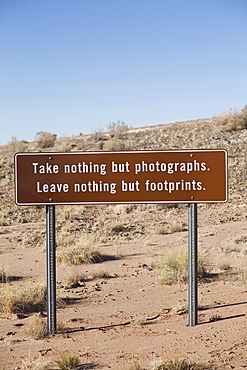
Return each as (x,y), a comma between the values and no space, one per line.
(51,268)
(193,265)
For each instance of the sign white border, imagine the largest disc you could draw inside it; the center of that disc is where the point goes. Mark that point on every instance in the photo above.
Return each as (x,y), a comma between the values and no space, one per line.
(121,152)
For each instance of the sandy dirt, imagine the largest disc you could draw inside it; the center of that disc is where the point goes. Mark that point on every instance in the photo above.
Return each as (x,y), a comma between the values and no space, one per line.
(129,317)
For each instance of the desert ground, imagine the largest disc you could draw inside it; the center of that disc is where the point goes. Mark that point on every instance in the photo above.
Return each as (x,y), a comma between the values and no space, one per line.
(116,313)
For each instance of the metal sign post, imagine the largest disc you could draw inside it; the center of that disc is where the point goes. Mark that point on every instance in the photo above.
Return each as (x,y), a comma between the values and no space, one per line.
(51,268)
(193,265)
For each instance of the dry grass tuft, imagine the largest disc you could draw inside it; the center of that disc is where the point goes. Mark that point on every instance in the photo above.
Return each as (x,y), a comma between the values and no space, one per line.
(173,268)
(26,299)
(240,239)
(215,317)
(223,265)
(75,279)
(124,208)
(161,230)
(115,145)
(244,251)
(180,309)
(37,328)
(45,139)
(34,239)
(140,321)
(80,251)
(176,227)
(135,366)
(101,274)
(78,255)
(176,365)
(16,146)
(234,120)
(68,361)
(235,275)
(230,249)
(29,364)
(3,275)
(117,129)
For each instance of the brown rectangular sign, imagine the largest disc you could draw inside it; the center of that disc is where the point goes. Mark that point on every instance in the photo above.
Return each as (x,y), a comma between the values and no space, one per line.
(182,176)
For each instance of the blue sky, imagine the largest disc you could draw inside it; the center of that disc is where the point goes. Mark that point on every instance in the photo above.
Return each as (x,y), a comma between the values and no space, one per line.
(73,66)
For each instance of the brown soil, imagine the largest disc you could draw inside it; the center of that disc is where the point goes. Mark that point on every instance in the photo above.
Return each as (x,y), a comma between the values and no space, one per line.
(129,317)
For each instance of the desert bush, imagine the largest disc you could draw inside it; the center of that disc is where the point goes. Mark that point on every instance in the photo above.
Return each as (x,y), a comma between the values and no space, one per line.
(45,139)
(240,239)
(235,275)
(37,327)
(215,317)
(3,221)
(149,207)
(16,146)
(64,146)
(124,208)
(111,228)
(161,230)
(115,145)
(179,309)
(34,239)
(176,365)
(101,274)
(77,255)
(75,279)
(173,268)
(25,299)
(234,121)
(3,275)
(34,364)
(176,227)
(80,251)
(223,265)
(135,366)
(99,135)
(70,213)
(244,251)
(241,275)
(117,129)
(230,249)
(68,361)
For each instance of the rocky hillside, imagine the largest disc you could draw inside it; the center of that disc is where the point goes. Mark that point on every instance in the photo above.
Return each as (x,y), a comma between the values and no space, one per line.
(122,313)
(210,133)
